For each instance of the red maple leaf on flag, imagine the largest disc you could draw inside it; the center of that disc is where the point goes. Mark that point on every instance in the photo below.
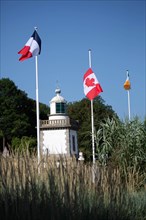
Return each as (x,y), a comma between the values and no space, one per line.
(90,82)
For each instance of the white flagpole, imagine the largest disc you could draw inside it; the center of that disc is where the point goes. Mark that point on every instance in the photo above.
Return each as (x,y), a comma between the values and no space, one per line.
(129,105)
(93,142)
(37,109)
(128,93)
(92,118)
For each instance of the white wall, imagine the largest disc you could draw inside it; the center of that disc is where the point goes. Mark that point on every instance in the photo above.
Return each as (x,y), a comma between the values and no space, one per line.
(58,117)
(55,141)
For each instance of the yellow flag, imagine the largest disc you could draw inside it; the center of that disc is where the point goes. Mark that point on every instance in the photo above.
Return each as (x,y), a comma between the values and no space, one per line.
(127,85)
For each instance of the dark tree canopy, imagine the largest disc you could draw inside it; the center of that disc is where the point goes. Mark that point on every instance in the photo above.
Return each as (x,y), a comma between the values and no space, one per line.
(17,112)
(81,111)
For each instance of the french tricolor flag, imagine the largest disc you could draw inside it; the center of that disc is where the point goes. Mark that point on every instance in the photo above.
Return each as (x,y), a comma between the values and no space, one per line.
(31,48)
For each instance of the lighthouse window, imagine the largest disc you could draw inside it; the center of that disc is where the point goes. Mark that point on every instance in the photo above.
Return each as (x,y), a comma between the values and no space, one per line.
(73,143)
(60,107)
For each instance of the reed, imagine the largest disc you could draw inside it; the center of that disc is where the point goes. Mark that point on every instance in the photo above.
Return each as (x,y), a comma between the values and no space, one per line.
(122,143)
(67,191)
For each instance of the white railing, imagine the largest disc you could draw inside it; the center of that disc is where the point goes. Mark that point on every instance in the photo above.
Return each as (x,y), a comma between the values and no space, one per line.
(55,123)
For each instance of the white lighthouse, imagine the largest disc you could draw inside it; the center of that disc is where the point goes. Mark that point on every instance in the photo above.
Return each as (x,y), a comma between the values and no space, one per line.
(58,134)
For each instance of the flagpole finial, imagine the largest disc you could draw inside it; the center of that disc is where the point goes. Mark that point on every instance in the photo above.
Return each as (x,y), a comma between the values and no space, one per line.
(57,84)
(89,50)
(127,71)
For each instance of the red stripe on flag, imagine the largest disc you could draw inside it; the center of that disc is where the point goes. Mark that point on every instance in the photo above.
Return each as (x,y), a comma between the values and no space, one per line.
(24,50)
(89,71)
(26,56)
(25,53)
(94,92)
(99,89)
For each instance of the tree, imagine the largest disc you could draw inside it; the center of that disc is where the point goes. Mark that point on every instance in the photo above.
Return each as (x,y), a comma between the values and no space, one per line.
(17,112)
(81,111)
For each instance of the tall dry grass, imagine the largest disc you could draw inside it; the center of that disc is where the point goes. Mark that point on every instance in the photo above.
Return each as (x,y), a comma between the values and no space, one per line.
(48,191)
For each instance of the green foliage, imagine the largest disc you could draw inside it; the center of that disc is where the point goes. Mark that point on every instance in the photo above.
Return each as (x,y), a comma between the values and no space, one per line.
(123,142)
(133,146)
(23,144)
(17,112)
(44,111)
(81,111)
(107,138)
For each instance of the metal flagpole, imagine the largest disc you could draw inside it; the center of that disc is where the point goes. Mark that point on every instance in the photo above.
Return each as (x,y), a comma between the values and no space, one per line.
(37,109)
(93,142)
(128,92)
(129,105)
(92,118)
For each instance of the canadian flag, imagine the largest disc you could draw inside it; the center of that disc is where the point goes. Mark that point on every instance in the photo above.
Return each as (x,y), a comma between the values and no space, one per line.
(31,48)
(91,85)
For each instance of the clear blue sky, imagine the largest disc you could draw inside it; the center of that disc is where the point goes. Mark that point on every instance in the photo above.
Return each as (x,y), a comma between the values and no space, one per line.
(114,30)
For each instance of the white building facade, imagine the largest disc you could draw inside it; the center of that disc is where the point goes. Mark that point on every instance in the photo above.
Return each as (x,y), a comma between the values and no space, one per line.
(58,134)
